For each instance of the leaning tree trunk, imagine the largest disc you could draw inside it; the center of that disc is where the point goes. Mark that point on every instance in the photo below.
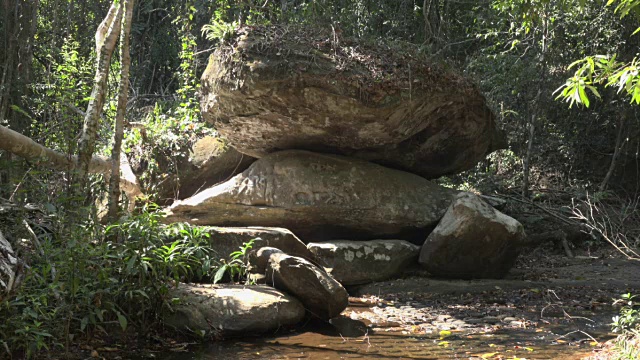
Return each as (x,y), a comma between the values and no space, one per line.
(28,149)
(106,38)
(125,62)
(11,269)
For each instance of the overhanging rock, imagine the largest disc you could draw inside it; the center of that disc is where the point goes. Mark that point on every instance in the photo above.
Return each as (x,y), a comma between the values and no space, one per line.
(276,88)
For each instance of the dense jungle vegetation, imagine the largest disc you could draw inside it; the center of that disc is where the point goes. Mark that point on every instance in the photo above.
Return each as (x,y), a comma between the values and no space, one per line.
(562,77)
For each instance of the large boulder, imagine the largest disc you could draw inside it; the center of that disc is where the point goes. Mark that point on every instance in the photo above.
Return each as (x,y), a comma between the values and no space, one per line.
(320,197)
(232,309)
(225,240)
(302,88)
(209,162)
(473,240)
(321,295)
(361,262)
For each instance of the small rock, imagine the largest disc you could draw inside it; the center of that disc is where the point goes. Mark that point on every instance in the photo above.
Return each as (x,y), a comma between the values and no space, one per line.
(491,320)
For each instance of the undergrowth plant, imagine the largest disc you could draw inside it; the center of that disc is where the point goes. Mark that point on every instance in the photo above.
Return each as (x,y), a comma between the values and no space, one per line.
(113,281)
(627,324)
(237,265)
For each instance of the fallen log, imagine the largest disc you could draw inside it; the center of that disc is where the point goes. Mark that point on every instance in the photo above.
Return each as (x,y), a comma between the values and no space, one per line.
(28,149)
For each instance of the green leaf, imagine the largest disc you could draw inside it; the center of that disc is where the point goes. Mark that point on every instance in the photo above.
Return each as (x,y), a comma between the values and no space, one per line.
(131,262)
(122,320)
(220,273)
(583,96)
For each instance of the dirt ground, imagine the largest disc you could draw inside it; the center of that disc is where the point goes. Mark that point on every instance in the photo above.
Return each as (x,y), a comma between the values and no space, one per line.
(568,299)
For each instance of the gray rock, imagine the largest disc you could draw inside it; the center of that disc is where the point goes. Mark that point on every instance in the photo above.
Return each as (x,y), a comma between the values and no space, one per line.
(473,240)
(276,90)
(232,309)
(320,294)
(320,197)
(209,163)
(361,262)
(259,259)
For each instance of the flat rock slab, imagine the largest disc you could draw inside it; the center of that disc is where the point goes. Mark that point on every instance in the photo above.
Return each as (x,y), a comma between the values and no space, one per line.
(276,88)
(321,197)
(232,309)
(361,262)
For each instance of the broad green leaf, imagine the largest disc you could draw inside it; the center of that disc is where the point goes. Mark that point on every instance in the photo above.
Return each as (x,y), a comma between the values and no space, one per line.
(122,320)
(583,96)
(220,273)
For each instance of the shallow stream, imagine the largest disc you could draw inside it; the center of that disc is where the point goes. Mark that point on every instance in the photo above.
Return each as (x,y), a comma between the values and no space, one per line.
(347,338)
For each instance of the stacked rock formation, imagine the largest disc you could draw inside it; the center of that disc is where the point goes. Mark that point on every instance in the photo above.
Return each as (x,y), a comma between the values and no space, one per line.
(347,137)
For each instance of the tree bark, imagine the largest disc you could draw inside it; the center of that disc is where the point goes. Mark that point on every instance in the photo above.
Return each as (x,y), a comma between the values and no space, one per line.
(105,42)
(123,92)
(616,152)
(11,269)
(28,149)
(536,107)
(432,20)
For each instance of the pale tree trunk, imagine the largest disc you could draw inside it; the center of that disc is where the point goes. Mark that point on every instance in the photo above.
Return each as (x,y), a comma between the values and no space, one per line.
(616,151)
(11,269)
(123,92)
(28,149)
(526,166)
(106,38)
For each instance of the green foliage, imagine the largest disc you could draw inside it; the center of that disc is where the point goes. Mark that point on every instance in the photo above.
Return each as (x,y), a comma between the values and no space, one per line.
(219,30)
(66,90)
(604,69)
(237,265)
(629,317)
(110,280)
(627,324)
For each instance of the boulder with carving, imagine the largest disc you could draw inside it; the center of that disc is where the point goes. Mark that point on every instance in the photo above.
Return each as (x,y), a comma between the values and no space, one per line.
(321,197)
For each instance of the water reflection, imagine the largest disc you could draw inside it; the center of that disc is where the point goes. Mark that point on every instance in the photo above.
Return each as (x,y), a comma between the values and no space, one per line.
(345,338)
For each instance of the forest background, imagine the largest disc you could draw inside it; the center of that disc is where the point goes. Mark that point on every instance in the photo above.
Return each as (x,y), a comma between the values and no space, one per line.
(561,76)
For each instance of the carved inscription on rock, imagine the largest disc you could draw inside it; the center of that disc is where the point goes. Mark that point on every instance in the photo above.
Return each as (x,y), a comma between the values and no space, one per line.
(322,198)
